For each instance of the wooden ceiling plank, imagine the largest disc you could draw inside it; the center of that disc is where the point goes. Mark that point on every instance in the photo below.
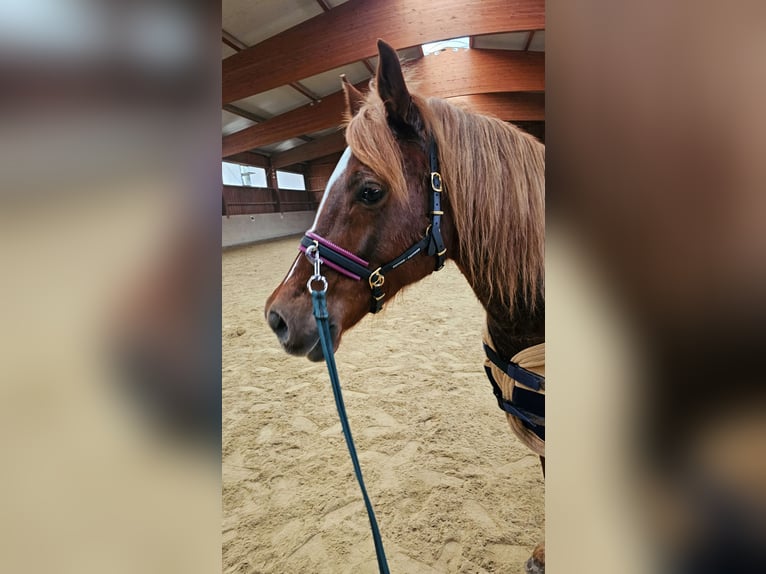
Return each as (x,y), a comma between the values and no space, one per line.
(344,35)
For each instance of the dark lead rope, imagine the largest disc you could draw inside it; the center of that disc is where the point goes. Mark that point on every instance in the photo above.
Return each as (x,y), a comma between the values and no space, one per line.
(320,312)
(319,303)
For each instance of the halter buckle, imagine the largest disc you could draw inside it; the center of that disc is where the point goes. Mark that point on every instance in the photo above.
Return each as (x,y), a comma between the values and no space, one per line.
(376,279)
(436,181)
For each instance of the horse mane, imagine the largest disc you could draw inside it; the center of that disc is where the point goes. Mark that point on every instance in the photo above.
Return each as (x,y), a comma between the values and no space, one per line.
(493,173)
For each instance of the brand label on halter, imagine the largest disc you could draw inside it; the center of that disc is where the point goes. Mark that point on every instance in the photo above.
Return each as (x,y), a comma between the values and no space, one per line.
(407,258)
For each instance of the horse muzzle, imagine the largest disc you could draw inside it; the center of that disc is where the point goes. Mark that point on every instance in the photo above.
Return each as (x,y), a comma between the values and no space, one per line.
(298,334)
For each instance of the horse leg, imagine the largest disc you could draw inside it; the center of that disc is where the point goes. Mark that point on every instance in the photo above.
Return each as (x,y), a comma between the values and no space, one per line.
(536,564)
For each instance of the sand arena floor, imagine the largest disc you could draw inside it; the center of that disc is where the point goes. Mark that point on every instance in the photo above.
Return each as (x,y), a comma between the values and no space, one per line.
(453,489)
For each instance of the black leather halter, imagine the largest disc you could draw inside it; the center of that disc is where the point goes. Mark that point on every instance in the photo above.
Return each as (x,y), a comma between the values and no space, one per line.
(354,267)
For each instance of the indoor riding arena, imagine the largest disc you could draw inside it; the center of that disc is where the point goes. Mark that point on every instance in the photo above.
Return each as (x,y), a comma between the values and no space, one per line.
(454,489)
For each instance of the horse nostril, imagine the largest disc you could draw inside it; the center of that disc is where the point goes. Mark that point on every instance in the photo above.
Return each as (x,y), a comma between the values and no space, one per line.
(278,325)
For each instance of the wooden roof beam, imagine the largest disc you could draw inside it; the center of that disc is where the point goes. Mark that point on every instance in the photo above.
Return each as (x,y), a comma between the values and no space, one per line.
(345,35)
(506,106)
(237,45)
(467,72)
(306,119)
(312,150)
(249,158)
(448,75)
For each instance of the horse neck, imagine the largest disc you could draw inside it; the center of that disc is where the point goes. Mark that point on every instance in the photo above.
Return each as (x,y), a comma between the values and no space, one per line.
(513,330)
(512,327)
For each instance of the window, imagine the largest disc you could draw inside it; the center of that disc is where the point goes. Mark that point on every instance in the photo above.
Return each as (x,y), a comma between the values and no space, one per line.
(243,175)
(231,174)
(253,176)
(287,180)
(437,47)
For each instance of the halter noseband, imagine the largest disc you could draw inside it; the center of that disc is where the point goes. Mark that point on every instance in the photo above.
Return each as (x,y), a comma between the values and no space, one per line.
(354,267)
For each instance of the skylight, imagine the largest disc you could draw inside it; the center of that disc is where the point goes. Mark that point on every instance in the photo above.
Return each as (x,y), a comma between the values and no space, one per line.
(454,44)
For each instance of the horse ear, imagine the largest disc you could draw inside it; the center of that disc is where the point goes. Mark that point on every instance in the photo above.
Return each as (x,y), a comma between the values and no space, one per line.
(354,98)
(401,113)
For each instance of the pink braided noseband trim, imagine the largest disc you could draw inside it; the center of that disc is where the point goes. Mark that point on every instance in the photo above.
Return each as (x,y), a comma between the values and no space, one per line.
(332,265)
(331,245)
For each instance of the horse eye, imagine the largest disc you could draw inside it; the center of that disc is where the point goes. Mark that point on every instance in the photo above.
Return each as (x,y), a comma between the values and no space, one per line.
(370,195)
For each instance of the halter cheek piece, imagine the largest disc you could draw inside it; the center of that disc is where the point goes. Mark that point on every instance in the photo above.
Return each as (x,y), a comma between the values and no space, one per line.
(354,267)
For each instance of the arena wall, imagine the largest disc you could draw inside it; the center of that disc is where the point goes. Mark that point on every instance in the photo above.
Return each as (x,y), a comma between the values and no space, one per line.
(245,229)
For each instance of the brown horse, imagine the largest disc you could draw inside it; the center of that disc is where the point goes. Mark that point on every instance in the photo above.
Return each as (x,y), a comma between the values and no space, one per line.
(377,206)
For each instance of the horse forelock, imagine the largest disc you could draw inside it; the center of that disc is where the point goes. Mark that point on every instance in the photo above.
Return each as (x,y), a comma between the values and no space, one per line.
(373,144)
(494,177)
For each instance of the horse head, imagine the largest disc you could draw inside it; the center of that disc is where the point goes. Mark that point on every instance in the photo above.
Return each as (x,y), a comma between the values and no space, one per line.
(375,208)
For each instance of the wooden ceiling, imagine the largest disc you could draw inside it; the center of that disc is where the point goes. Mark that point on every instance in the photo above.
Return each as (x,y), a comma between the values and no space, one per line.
(282,104)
